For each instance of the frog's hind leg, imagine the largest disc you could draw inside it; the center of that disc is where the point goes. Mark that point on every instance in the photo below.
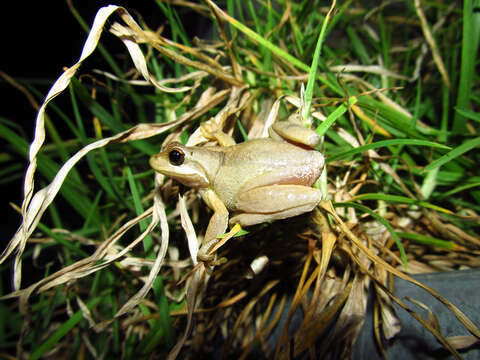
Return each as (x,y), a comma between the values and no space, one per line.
(245,219)
(274,202)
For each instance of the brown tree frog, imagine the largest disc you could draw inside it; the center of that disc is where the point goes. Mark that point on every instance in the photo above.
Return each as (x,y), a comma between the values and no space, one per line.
(258,180)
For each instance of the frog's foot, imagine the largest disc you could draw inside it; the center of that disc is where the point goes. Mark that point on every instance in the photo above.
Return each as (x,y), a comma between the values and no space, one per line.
(209,128)
(212,131)
(209,260)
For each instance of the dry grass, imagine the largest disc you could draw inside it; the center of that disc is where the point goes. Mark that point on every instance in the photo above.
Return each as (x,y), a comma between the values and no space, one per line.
(321,263)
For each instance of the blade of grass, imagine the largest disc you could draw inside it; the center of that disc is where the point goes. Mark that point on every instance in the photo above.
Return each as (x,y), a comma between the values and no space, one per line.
(389,117)
(385,143)
(337,113)
(272,47)
(162,329)
(313,67)
(174,21)
(401,199)
(475,116)
(105,53)
(470,41)
(451,155)
(358,47)
(148,241)
(71,246)
(63,330)
(107,184)
(164,312)
(458,189)
(11,173)
(385,44)
(106,117)
(48,168)
(267,58)
(428,240)
(338,15)
(381,220)
(93,212)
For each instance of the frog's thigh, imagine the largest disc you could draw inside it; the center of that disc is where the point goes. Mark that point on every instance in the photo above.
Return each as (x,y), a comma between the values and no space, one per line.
(274,198)
(275,202)
(248,219)
(300,176)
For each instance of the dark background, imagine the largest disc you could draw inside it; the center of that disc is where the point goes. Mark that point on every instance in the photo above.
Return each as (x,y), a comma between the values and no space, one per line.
(39,39)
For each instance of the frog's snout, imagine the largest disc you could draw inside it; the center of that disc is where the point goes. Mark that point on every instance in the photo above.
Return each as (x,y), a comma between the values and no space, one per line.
(153,161)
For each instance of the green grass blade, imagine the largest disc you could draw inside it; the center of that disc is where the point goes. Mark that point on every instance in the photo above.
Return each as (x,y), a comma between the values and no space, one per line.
(451,155)
(385,143)
(427,240)
(383,222)
(337,113)
(470,41)
(475,116)
(458,189)
(396,122)
(174,21)
(72,191)
(61,332)
(358,46)
(148,241)
(276,50)
(313,68)
(401,199)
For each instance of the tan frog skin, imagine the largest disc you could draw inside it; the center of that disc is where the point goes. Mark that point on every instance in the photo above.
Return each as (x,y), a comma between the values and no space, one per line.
(258,180)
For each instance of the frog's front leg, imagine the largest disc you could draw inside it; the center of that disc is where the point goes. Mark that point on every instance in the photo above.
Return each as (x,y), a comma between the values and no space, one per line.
(274,202)
(217,225)
(210,130)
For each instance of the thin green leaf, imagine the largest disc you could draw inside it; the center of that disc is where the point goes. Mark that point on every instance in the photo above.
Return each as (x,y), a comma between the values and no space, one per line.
(275,49)
(313,68)
(342,109)
(475,116)
(63,330)
(458,189)
(383,222)
(470,41)
(385,143)
(427,240)
(451,155)
(402,200)
(358,46)
(148,241)
(238,234)
(72,191)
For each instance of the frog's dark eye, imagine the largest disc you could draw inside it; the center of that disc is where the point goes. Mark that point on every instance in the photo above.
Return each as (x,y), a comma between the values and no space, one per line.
(176,157)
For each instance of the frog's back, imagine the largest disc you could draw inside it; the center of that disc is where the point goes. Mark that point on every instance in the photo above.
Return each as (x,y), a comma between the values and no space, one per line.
(254,158)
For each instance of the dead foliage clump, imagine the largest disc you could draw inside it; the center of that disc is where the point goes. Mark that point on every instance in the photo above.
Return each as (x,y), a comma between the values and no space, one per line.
(287,288)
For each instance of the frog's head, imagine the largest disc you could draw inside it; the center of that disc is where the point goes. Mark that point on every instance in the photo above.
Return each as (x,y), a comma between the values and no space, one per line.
(192,166)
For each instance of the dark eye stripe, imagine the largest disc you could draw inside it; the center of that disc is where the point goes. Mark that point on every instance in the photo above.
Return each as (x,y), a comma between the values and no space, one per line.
(176,157)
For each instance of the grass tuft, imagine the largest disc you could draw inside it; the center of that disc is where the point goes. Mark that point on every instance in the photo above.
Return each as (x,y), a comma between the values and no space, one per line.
(392,90)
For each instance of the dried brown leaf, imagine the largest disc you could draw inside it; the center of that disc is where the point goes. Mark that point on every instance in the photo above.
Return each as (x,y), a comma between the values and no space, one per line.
(469,325)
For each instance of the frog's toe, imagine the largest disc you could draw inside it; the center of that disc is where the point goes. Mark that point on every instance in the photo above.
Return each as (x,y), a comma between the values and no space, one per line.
(210,261)
(203,257)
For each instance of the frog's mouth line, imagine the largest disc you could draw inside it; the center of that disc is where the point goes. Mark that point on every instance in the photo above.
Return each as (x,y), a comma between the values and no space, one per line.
(194,179)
